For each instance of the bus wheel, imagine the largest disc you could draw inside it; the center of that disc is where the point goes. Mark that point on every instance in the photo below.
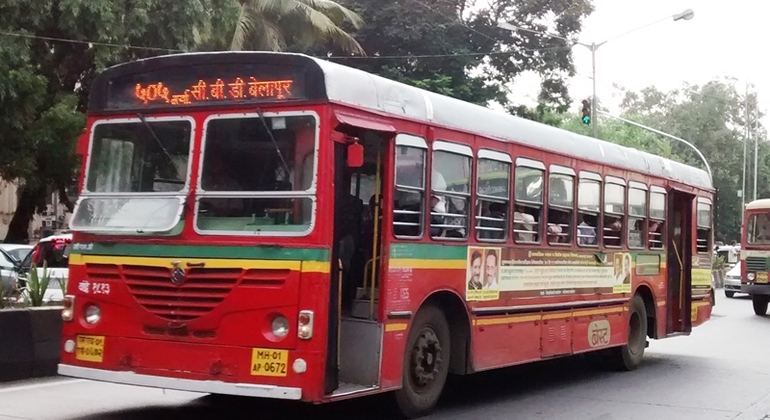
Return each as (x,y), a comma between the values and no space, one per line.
(629,356)
(760,304)
(426,363)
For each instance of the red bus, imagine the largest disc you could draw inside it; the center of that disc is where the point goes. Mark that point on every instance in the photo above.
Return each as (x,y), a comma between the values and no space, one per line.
(755,251)
(279,226)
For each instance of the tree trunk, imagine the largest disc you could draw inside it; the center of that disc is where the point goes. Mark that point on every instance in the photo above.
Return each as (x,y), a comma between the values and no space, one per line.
(31,199)
(64,198)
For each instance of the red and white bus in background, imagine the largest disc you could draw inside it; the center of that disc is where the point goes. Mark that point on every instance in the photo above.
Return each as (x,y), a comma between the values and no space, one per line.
(755,254)
(279,226)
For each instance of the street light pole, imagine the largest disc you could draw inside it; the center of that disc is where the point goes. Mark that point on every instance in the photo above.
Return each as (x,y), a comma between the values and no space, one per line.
(692,146)
(685,15)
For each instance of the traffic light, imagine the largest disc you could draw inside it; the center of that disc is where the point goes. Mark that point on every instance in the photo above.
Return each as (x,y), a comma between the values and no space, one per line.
(586,112)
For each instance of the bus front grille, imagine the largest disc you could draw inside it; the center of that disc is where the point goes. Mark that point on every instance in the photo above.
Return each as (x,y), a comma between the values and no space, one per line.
(198,293)
(756,264)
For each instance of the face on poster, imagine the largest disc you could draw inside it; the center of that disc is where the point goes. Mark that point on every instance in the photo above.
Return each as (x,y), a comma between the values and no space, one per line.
(483,274)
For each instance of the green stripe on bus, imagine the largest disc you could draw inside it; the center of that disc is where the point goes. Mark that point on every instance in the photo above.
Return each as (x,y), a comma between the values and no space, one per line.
(204,251)
(428,252)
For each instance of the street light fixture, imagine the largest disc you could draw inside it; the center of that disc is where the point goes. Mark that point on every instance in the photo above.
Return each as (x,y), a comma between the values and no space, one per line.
(685,15)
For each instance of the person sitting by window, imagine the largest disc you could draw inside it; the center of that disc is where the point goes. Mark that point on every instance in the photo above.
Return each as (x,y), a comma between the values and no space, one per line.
(523,223)
(586,232)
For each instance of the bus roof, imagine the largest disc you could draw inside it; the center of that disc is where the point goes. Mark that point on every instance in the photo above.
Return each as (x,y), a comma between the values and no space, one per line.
(349,86)
(763,203)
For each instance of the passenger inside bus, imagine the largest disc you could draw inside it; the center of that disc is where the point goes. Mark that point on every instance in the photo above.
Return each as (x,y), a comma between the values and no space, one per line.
(493,221)
(216,178)
(612,231)
(587,230)
(524,225)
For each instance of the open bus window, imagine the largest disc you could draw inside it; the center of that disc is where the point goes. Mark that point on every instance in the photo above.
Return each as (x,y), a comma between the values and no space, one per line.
(492,180)
(528,210)
(258,175)
(589,202)
(135,177)
(450,194)
(614,204)
(656,231)
(560,203)
(759,229)
(704,228)
(637,217)
(410,191)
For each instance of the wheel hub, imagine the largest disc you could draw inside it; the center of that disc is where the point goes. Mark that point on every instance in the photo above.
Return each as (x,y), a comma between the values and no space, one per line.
(426,358)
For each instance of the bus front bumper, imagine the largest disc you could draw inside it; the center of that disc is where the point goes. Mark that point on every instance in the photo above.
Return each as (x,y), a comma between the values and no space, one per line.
(192,385)
(755,289)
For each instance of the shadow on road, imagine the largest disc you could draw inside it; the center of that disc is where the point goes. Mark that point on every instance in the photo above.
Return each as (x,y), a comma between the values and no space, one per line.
(482,389)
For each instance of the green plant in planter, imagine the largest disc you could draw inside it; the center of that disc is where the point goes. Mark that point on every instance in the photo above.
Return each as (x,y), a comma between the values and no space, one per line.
(37,285)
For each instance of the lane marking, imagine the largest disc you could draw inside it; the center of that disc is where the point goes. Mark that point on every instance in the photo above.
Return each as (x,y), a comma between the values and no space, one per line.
(40,385)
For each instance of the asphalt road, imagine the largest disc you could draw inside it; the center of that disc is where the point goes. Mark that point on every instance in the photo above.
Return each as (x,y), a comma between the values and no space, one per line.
(721,371)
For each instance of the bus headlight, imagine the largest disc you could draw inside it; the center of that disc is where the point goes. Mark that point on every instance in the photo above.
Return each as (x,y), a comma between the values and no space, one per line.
(750,276)
(305,325)
(69,308)
(280,326)
(92,314)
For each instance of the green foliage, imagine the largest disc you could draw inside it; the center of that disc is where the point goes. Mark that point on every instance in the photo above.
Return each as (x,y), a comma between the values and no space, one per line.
(712,117)
(454,47)
(274,25)
(44,84)
(37,285)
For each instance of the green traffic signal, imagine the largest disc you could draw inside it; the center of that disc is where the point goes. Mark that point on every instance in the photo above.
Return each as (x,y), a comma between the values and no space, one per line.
(586,119)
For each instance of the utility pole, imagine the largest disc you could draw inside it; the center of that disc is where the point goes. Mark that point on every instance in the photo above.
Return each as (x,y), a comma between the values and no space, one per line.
(593,79)
(756,142)
(745,143)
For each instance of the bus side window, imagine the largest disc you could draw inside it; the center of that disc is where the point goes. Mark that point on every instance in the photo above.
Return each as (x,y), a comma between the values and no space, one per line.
(528,208)
(614,213)
(493,180)
(450,191)
(656,232)
(408,205)
(704,226)
(561,202)
(589,209)
(637,216)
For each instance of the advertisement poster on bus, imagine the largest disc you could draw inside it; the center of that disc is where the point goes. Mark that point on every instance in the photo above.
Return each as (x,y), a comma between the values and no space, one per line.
(483,274)
(545,273)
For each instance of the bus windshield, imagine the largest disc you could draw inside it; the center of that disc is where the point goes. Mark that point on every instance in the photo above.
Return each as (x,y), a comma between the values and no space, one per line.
(137,176)
(258,175)
(759,229)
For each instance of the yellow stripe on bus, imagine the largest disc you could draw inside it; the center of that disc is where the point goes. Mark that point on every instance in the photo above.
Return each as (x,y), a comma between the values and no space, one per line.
(435,264)
(532,318)
(395,327)
(304,266)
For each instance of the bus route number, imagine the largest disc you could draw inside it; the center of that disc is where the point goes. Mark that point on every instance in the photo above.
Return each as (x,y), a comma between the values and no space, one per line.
(269,362)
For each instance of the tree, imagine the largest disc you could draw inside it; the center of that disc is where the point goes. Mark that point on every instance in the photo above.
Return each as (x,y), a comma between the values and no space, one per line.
(44,83)
(454,47)
(273,25)
(712,117)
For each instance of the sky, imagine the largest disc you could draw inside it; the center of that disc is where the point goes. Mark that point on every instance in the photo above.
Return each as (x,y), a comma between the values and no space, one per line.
(723,39)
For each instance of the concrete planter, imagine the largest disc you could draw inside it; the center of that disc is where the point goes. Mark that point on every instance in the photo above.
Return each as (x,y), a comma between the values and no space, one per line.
(30,341)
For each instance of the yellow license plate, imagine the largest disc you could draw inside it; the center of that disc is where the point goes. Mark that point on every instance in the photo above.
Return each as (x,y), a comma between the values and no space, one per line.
(762,277)
(90,348)
(269,362)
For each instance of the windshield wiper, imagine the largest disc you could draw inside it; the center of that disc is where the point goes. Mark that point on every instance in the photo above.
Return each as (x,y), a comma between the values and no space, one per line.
(275,143)
(157,140)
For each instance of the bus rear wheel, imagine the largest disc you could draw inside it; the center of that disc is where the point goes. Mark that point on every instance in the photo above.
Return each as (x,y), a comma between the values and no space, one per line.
(426,363)
(629,356)
(760,304)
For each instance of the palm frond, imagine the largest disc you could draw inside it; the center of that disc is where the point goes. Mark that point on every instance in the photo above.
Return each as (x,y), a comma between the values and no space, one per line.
(335,11)
(326,29)
(255,31)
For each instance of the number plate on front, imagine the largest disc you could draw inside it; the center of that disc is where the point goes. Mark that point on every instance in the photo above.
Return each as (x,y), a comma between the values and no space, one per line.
(90,348)
(762,277)
(269,362)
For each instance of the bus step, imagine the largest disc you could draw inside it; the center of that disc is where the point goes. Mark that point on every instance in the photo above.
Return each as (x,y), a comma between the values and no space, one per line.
(363,293)
(347,389)
(361,309)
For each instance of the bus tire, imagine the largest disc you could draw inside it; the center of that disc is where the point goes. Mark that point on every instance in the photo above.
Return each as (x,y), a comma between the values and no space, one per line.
(760,304)
(629,356)
(729,293)
(426,363)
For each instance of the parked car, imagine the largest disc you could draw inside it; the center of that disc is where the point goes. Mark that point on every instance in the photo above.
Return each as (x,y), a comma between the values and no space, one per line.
(9,271)
(733,280)
(17,251)
(51,251)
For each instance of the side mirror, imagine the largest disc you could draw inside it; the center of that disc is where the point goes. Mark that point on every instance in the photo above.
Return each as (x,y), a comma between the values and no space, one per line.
(355,155)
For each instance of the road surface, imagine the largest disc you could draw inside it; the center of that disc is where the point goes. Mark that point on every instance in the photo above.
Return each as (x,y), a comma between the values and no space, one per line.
(721,371)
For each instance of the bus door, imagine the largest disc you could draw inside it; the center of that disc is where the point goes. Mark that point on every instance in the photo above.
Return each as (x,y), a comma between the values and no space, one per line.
(679,261)
(355,336)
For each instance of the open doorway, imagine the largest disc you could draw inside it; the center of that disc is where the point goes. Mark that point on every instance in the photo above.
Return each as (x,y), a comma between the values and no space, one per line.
(679,262)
